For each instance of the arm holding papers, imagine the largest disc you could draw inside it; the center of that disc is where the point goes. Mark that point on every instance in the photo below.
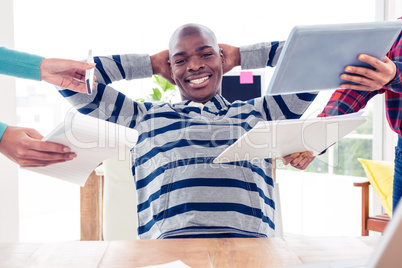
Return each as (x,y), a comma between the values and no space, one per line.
(24,145)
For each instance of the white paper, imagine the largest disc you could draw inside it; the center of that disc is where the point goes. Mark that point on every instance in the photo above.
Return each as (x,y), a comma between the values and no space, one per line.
(93,140)
(173,264)
(272,139)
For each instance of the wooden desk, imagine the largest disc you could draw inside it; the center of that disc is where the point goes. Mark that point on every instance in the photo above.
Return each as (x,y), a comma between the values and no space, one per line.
(253,252)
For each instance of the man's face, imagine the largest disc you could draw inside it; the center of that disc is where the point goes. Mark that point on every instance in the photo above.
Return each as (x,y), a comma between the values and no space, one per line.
(196,64)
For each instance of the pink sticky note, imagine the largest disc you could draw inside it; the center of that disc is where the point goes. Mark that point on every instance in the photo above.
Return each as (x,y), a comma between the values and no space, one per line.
(246,78)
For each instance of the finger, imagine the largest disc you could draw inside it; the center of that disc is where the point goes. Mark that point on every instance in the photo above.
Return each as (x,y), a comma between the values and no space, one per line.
(47,156)
(359,72)
(77,86)
(45,146)
(373,61)
(288,158)
(82,65)
(306,163)
(80,75)
(386,60)
(38,163)
(300,161)
(295,162)
(357,87)
(33,133)
(361,80)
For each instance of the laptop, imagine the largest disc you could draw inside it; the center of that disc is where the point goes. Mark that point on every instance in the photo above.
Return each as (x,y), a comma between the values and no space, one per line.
(314,57)
(387,254)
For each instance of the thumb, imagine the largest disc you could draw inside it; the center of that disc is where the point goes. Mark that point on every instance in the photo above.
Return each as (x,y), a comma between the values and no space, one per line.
(84,65)
(89,65)
(33,134)
(385,59)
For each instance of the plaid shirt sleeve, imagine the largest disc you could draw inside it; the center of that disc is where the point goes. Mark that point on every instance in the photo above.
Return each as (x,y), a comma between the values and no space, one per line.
(345,101)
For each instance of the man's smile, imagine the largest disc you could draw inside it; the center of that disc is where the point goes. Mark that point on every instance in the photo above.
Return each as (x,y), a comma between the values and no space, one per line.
(198,81)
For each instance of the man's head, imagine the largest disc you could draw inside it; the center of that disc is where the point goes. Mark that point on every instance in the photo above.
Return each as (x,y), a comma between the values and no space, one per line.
(196,62)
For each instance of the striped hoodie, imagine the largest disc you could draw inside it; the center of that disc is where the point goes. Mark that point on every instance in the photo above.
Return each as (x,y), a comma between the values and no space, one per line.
(181,193)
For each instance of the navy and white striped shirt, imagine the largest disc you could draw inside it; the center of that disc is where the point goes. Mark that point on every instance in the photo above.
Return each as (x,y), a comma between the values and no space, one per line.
(181,193)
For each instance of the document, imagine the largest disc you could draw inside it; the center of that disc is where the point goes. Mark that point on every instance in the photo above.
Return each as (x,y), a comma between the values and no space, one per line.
(93,140)
(273,139)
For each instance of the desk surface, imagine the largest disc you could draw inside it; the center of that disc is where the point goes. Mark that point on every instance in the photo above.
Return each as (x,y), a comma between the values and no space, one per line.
(231,252)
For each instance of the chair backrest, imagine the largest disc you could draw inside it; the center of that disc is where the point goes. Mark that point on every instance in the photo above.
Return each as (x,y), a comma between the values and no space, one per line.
(119,200)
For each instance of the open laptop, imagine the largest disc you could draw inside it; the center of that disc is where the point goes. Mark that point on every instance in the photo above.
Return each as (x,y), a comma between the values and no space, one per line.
(387,254)
(314,56)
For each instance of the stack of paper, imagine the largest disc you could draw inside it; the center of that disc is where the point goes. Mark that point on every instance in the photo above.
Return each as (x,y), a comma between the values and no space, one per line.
(93,141)
(272,139)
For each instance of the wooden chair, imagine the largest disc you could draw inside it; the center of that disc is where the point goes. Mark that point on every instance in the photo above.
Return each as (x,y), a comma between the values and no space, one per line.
(370,223)
(108,202)
(91,208)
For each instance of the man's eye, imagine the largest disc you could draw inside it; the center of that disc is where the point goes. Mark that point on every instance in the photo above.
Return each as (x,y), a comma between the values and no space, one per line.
(179,61)
(205,55)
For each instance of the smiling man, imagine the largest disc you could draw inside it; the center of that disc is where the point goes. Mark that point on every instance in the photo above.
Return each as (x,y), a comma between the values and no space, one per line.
(181,192)
(196,62)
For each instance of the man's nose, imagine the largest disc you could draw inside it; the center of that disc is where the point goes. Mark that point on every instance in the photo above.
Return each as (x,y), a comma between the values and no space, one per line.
(195,64)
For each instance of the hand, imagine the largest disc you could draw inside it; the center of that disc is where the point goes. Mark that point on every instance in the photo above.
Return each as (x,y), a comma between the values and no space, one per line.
(299,160)
(24,147)
(368,79)
(65,73)
(161,66)
(231,55)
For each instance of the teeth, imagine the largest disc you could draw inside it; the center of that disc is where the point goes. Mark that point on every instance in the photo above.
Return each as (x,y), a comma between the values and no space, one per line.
(199,81)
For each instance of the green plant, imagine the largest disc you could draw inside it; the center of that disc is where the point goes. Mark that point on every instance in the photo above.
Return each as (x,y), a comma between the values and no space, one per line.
(163,93)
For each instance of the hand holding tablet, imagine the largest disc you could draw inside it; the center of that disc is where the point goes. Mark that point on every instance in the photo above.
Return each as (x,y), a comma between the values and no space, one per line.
(314,57)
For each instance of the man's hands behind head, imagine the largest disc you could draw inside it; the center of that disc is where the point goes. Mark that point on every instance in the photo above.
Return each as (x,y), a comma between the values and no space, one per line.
(161,66)
(231,57)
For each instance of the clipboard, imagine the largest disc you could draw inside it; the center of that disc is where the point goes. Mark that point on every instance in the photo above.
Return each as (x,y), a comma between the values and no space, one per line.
(274,139)
(315,56)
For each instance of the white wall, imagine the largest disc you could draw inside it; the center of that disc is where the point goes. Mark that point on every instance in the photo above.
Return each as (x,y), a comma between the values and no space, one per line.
(9,226)
(315,204)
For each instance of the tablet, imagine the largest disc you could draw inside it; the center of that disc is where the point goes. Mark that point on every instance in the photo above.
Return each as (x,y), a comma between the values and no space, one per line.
(315,56)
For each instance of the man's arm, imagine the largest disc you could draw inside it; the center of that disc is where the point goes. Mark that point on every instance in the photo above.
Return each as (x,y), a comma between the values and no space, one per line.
(105,102)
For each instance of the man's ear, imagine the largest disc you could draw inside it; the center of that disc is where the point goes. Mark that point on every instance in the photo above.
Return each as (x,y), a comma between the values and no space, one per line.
(223,59)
